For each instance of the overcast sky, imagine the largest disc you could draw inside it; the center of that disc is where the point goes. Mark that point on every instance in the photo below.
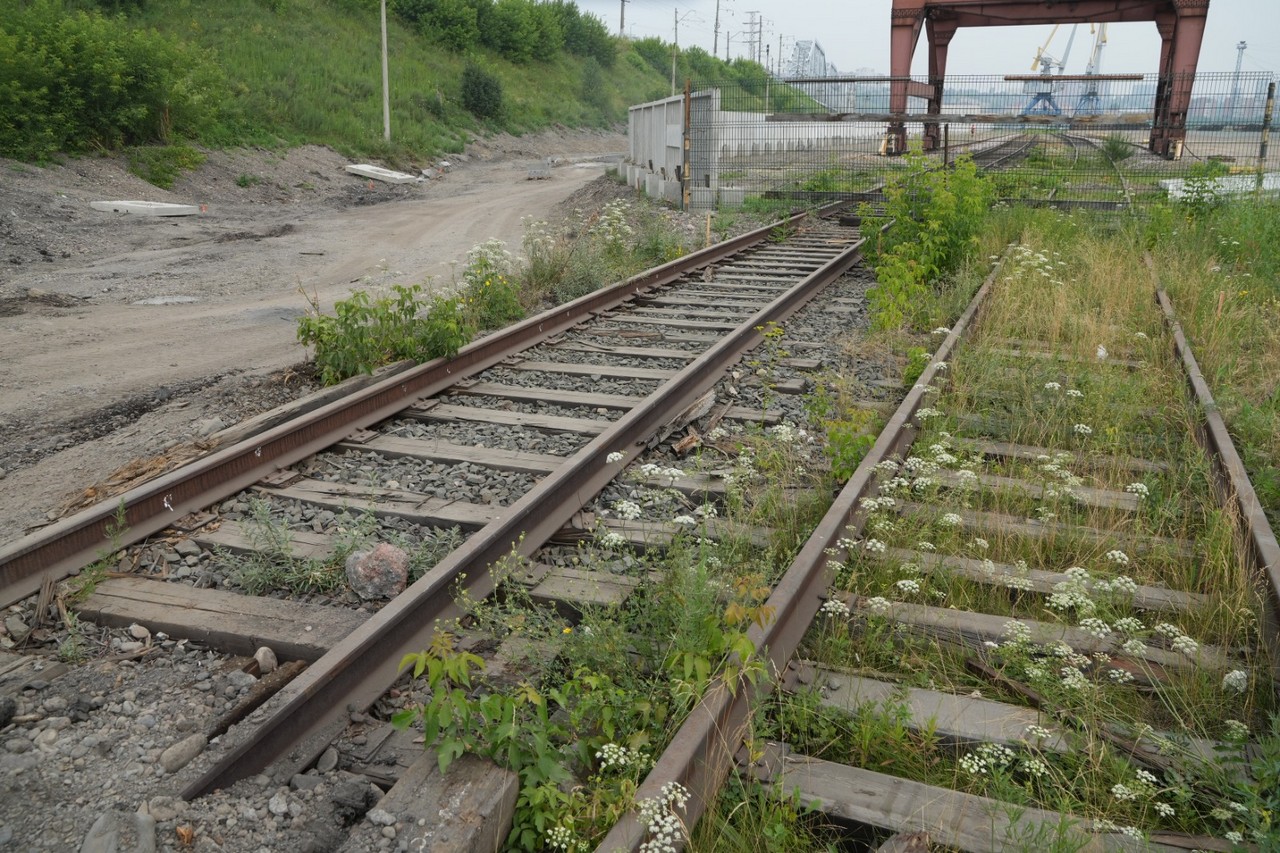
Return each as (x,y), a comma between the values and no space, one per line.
(855,34)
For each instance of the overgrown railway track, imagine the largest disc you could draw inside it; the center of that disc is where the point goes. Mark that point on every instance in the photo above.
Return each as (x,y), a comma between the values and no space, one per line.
(1061,648)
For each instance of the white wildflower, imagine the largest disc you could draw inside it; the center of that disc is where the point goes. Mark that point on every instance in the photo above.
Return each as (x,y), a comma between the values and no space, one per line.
(687,520)
(879,605)
(627,510)
(1083,429)
(1120,558)
(834,607)
(1072,392)
(1237,680)
(1053,386)
(1139,489)
(615,456)
(908,586)
(950,519)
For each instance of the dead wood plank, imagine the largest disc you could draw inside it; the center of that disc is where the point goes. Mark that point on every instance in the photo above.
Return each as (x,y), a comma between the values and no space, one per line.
(658,334)
(1146,597)
(434,411)
(552,396)
(802,363)
(1033,529)
(452,454)
(739,284)
(1031,453)
(414,507)
(956,719)
(571,590)
(239,537)
(593,370)
(974,629)
(466,809)
(648,310)
(684,301)
(672,322)
(631,352)
(226,621)
(1042,355)
(656,535)
(18,671)
(951,818)
(1087,495)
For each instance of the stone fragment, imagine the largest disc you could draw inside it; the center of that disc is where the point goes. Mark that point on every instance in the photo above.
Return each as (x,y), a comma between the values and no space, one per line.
(139,632)
(266,660)
(328,761)
(16,627)
(381,572)
(180,754)
(166,808)
(381,817)
(279,803)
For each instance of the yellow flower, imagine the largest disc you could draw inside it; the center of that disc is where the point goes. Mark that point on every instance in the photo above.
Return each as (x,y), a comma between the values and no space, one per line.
(567,631)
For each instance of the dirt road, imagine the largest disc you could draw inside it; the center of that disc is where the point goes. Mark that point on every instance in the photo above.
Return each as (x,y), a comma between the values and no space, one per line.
(121,336)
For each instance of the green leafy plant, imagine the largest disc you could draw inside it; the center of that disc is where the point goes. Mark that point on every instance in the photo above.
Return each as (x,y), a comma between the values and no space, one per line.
(161,165)
(83,585)
(368,331)
(936,215)
(490,295)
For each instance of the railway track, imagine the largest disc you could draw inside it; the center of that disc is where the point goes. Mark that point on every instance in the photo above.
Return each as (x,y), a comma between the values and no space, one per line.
(577,392)
(1016,464)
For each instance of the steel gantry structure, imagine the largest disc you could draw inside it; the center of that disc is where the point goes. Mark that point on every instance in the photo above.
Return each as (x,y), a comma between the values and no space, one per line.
(1180,23)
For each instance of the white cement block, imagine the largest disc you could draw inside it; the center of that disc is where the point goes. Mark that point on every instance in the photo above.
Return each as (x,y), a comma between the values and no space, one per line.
(146,208)
(378,173)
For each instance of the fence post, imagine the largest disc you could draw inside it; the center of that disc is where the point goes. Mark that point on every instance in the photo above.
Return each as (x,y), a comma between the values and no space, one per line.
(1266,132)
(688,131)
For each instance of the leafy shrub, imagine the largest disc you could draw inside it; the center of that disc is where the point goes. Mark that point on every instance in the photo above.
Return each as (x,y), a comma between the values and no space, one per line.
(73,81)
(937,214)
(367,332)
(481,92)
(162,165)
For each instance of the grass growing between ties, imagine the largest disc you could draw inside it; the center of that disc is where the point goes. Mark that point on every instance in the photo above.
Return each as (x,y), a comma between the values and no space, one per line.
(1187,682)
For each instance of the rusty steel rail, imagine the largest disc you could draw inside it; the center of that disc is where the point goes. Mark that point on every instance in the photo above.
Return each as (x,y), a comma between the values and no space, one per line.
(701,754)
(1231,480)
(76,541)
(353,674)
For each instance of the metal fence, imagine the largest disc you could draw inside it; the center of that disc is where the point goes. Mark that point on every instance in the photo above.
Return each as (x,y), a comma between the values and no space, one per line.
(1082,140)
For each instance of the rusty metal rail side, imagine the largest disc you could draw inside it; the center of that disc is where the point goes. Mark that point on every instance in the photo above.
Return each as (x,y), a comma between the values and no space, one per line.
(76,541)
(702,751)
(355,672)
(1231,480)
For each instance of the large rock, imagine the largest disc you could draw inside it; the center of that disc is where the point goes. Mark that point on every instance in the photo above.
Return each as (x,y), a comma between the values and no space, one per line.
(381,572)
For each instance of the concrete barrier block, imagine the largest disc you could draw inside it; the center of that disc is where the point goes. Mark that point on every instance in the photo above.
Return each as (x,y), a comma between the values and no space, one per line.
(732,196)
(653,186)
(702,199)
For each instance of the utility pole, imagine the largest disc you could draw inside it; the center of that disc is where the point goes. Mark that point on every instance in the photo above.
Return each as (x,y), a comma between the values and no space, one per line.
(386,85)
(622,20)
(715,39)
(753,52)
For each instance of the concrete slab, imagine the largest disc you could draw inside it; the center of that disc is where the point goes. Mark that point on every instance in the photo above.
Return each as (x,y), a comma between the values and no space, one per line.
(146,208)
(378,173)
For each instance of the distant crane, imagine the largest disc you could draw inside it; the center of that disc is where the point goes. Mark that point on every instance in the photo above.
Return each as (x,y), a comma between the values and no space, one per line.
(1090,103)
(1042,101)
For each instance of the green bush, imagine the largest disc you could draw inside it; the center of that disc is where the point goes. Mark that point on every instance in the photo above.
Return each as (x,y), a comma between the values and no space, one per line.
(367,332)
(161,165)
(481,92)
(74,81)
(937,214)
